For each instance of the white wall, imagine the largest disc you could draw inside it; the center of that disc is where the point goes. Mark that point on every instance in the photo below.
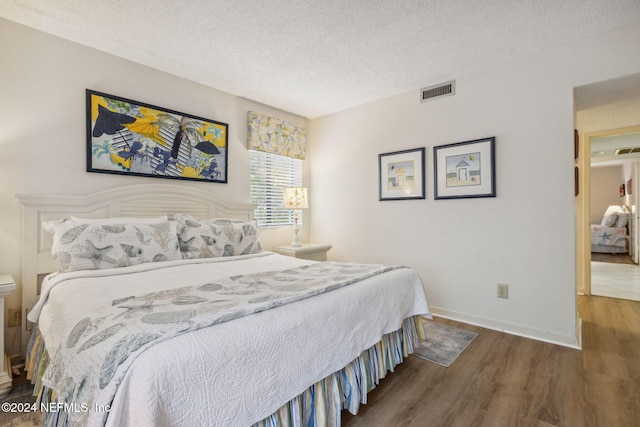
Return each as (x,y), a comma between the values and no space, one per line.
(43,138)
(605,183)
(462,248)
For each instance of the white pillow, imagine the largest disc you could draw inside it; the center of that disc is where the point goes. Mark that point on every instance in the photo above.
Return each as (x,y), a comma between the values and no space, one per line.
(621,221)
(216,237)
(609,220)
(97,245)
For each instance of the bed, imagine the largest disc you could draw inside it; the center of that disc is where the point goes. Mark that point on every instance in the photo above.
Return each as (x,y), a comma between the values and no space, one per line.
(610,236)
(164,342)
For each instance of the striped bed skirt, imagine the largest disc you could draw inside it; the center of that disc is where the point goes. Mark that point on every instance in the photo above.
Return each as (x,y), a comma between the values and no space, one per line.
(319,405)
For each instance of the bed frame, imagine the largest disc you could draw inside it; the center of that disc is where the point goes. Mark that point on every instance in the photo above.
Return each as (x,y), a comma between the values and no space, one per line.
(143,200)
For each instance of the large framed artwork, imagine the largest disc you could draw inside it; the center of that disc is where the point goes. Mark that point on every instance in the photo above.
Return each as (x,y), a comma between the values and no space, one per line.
(133,138)
(465,169)
(401,175)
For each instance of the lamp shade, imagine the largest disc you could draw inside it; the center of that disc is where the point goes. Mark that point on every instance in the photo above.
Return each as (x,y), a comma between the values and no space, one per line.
(295,198)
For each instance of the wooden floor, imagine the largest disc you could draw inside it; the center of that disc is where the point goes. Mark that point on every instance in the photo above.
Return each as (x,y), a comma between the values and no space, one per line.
(505,380)
(615,258)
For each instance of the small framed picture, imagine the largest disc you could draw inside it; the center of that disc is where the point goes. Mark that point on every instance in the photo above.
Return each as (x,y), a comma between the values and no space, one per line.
(401,175)
(465,169)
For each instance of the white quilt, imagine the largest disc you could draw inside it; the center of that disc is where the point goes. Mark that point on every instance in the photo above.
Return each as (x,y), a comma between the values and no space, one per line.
(237,372)
(608,236)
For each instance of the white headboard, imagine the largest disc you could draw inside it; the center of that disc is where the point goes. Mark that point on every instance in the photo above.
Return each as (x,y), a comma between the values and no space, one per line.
(144,200)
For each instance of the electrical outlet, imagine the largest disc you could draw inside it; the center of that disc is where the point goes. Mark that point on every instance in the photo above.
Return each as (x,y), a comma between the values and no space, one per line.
(503,290)
(15,317)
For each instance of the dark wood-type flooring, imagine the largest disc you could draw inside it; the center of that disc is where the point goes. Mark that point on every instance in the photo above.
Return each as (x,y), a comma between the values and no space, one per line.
(615,258)
(505,380)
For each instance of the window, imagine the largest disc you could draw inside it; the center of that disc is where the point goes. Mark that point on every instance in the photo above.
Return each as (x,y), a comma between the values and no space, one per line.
(270,174)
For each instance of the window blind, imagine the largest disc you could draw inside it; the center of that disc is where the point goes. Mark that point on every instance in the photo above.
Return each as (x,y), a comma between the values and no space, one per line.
(270,175)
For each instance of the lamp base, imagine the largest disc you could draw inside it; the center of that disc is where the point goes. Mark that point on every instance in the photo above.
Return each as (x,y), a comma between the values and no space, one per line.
(295,242)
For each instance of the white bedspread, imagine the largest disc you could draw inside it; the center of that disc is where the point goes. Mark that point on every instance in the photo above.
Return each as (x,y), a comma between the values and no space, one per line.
(608,236)
(237,372)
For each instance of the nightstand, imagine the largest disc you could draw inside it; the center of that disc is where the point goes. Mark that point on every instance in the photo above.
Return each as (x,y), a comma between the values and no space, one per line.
(7,286)
(310,251)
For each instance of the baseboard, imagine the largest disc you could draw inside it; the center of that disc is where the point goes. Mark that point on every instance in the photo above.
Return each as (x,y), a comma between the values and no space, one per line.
(579,332)
(508,328)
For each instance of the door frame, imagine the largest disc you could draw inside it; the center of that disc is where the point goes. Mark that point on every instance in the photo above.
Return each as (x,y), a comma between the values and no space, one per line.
(634,228)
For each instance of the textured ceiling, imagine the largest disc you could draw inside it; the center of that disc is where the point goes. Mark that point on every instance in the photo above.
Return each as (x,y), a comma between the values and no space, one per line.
(317,57)
(603,149)
(603,106)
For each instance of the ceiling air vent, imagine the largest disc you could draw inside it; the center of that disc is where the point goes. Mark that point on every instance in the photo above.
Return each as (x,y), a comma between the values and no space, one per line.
(437,91)
(620,151)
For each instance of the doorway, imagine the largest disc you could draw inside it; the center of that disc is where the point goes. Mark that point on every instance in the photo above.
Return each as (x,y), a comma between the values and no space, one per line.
(614,156)
(603,110)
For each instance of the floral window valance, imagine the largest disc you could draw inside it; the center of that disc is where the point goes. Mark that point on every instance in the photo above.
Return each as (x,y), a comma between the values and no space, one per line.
(273,135)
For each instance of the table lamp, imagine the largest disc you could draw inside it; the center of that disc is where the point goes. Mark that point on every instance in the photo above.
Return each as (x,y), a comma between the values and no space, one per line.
(295,198)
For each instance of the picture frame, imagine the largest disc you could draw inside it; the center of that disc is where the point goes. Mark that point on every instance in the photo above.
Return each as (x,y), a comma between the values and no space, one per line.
(465,169)
(401,175)
(129,137)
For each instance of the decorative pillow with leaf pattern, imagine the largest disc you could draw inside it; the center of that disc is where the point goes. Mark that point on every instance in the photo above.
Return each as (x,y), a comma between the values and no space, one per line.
(210,238)
(87,245)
